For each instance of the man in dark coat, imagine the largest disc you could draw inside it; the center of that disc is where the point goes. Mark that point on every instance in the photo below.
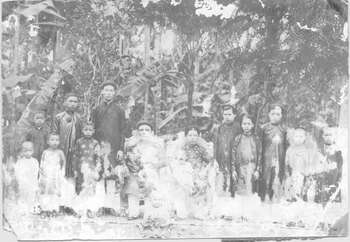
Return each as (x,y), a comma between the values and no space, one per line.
(67,125)
(109,121)
(224,138)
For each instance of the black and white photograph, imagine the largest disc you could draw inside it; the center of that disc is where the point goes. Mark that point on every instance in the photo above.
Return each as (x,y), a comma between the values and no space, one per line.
(174,119)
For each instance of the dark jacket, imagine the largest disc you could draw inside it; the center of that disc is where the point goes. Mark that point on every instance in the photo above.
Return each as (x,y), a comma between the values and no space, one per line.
(110,126)
(257,155)
(224,138)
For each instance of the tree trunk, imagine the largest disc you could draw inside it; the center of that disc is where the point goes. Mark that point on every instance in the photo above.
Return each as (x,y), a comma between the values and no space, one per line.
(147,63)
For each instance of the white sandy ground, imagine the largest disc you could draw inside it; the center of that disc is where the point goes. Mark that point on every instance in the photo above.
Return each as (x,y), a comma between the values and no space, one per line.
(261,220)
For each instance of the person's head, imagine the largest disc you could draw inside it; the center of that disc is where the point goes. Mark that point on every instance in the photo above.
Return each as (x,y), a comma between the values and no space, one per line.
(71,102)
(27,149)
(247,123)
(144,129)
(299,136)
(328,135)
(53,140)
(39,119)
(275,113)
(108,91)
(229,113)
(88,129)
(192,132)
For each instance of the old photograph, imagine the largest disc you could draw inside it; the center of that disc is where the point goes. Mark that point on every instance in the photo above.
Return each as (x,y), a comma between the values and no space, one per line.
(174,119)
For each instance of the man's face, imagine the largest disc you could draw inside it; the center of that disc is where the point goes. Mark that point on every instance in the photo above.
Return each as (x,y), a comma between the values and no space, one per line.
(54,141)
(275,115)
(247,125)
(144,130)
(88,131)
(328,136)
(71,103)
(228,116)
(108,92)
(39,119)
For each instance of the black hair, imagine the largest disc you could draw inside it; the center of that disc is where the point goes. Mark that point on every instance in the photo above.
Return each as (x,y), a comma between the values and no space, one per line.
(229,107)
(52,134)
(275,105)
(71,94)
(188,129)
(88,123)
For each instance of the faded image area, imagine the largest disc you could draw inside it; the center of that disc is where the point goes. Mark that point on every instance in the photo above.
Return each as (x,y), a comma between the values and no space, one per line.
(174,119)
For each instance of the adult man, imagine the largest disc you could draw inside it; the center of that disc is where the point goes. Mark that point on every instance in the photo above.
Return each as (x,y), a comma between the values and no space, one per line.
(223,146)
(109,120)
(67,125)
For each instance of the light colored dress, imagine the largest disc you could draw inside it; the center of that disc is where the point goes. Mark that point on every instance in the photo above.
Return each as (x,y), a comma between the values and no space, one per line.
(51,178)
(26,173)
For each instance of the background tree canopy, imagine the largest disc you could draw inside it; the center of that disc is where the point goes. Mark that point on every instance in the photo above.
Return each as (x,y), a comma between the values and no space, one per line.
(179,60)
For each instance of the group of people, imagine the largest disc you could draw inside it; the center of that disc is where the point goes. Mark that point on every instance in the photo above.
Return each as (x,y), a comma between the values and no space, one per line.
(93,163)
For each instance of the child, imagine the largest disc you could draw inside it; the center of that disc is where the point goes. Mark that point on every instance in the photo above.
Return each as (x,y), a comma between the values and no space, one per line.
(86,152)
(274,145)
(26,173)
(333,165)
(298,164)
(52,173)
(38,134)
(246,156)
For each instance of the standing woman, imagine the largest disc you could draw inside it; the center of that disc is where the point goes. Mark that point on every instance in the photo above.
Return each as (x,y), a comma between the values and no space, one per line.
(274,145)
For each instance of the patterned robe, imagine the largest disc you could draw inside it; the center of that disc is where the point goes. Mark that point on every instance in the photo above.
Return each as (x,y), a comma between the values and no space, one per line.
(85,152)
(69,129)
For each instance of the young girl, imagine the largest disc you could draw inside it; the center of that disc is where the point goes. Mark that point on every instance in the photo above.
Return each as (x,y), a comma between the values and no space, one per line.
(26,173)
(299,164)
(274,145)
(246,156)
(52,173)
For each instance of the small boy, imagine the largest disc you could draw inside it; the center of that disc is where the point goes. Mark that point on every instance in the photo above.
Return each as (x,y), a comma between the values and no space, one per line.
(27,174)
(38,133)
(86,152)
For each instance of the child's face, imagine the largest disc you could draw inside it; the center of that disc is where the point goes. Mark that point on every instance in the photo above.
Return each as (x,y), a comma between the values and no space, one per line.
(275,115)
(228,116)
(145,130)
(27,150)
(299,137)
(39,120)
(247,125)
(328,136)
(88,131)
(71,103)
(108,92)
(54,141)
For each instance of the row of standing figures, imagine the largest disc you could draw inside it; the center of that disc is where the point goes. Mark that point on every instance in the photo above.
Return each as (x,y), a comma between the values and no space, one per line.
(93,159)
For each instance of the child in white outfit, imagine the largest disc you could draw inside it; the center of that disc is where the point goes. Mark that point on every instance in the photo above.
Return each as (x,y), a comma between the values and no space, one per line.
(26,173)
